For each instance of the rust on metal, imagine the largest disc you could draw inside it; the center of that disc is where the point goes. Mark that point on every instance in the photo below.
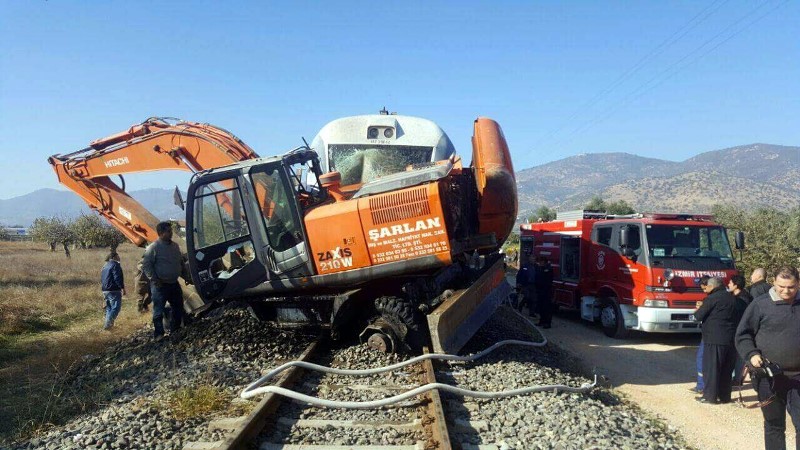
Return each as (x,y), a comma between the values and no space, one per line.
(256,420)
(440,436)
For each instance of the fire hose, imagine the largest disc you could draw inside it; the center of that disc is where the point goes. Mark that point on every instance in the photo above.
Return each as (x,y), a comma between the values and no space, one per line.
(257,388)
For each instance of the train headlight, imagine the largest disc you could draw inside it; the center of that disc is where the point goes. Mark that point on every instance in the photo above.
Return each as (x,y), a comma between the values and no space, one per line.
(388,132)
(669,274)
(372,133)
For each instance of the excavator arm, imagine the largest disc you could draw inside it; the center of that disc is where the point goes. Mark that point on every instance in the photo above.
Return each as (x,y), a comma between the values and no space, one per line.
(155,144)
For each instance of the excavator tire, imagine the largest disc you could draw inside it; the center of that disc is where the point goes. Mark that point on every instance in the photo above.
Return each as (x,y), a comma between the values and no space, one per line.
(398,309)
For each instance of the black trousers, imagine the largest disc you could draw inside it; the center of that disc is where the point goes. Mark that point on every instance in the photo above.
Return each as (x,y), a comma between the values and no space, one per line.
(545,302)
(787,398)
(718,362)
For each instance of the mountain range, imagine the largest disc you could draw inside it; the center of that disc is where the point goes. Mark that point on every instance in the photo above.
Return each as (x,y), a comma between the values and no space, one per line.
(748,176)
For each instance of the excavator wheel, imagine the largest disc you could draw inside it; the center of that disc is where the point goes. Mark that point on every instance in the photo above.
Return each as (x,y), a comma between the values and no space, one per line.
(402,311)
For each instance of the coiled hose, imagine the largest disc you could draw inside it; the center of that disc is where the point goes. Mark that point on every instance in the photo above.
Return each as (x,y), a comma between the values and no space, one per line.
(257,388)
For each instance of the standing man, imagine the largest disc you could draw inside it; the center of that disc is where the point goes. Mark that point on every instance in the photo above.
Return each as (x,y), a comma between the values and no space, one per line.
(113,286)
(743,299)
(525,277)
(719,317)
(162,264)
(770,330)
(543,282)
(758,283)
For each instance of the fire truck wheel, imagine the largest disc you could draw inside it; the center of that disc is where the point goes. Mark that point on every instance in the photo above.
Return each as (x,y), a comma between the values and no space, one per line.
(611,320)
(402,310)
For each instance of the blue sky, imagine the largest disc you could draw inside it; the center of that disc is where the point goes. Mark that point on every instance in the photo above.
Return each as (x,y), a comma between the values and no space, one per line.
(272,72)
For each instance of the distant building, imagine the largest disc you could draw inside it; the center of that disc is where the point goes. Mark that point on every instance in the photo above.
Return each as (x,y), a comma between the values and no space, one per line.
(18,233)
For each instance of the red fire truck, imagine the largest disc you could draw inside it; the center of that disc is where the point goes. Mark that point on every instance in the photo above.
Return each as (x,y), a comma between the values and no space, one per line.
(633,272)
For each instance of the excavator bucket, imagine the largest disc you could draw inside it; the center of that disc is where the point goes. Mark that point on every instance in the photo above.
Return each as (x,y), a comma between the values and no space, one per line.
(456,320)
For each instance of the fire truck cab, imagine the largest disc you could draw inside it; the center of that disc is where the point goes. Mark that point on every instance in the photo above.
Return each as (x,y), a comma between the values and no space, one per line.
(633,272)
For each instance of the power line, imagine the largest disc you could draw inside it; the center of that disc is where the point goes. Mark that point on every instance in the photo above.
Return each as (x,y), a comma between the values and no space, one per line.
(673,69)
(659,49)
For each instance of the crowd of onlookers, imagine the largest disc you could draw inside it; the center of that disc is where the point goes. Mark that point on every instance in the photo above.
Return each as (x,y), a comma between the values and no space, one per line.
(753,330)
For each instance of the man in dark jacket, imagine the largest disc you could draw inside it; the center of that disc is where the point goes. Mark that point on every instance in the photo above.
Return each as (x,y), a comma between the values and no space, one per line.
(113,286)
(719,317)
(770,330)
(543,283)
(736,286)
(162,263)
(758,283)
(525,284)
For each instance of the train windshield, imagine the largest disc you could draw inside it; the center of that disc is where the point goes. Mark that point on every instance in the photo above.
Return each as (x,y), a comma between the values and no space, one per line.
(688,247)
(358,163)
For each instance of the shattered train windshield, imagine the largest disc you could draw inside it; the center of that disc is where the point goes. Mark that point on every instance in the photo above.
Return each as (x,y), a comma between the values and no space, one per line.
(364,163)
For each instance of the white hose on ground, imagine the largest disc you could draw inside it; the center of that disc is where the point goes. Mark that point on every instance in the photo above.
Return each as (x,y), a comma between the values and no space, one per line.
(416,391)
(256,387)
(363,372)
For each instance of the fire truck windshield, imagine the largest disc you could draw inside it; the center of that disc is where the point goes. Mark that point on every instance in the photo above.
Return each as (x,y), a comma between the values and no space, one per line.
(688,247)
(363,163)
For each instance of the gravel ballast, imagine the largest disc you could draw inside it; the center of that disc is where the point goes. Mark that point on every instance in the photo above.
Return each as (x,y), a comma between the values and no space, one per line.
(226,352)
(547,420)
(233,349)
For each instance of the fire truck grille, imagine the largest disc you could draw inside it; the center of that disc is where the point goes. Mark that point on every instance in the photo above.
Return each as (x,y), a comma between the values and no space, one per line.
(684,303)
(400,205)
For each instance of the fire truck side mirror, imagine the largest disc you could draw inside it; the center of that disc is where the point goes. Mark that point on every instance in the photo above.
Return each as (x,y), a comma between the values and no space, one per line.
(739,240)
(623,238)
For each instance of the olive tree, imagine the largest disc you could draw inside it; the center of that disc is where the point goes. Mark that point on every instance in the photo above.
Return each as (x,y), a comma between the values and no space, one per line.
(772,235)
(54,231)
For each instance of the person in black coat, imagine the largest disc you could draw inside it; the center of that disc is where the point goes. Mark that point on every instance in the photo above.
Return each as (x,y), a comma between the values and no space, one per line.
(543,283)
(720,317)
(525,284)
(736,286)
(759,285)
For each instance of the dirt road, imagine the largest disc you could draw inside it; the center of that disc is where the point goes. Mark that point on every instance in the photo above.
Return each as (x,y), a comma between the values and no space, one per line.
(656,371)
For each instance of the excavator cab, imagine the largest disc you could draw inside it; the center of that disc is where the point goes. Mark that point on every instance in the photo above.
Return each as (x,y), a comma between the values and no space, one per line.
(244,222)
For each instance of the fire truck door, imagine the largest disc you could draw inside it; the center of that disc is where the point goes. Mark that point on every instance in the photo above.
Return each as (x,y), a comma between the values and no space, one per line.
(604,261)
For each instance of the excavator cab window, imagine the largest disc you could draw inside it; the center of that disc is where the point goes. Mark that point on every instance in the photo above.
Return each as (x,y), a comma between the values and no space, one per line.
(219,216)
(221,242)
(283,231)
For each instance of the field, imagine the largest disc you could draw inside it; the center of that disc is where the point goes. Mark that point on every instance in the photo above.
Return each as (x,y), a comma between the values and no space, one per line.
(51,315)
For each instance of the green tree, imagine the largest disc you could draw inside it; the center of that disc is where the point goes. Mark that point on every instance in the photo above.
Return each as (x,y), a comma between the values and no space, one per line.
(92,231)
(543,214)
(772,237)
(619,207)
(53,230)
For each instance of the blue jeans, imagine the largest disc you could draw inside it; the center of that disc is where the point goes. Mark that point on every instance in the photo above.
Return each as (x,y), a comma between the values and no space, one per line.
(699,362)
(113,305)
(161,295)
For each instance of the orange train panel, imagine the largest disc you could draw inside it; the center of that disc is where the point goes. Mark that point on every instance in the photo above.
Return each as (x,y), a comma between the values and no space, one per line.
(405,224)
(494,176)
(336,238)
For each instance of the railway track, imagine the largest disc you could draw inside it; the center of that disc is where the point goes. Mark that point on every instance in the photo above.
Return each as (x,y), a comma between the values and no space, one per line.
(277,422)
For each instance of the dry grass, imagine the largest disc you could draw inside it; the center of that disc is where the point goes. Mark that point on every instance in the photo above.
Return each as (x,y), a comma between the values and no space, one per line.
(197,401)
(51,315)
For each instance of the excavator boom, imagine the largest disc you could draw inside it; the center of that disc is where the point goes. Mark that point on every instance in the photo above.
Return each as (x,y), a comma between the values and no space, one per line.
(155,144)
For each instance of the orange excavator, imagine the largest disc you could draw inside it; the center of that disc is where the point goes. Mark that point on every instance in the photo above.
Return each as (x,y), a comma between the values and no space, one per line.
(377,228)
